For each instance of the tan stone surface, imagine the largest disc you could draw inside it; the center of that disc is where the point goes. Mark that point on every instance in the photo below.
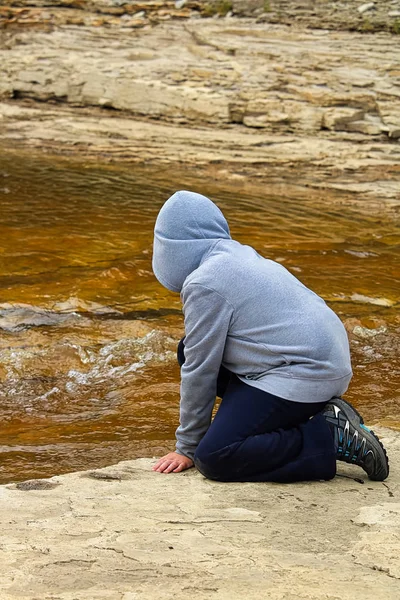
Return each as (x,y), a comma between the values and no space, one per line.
(202,71)
(316,107)
(126,533)
(353,15)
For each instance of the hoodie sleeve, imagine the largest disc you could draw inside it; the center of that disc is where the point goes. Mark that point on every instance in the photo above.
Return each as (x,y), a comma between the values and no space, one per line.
(207,319)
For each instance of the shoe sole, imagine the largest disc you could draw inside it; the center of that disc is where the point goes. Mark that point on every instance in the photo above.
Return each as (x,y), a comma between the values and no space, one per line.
(357,421)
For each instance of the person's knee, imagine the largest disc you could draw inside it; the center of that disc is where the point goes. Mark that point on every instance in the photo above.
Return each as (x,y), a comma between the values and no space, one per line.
(210,464)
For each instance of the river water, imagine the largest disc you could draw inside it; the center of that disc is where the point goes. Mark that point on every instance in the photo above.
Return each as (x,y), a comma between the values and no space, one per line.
(87,335)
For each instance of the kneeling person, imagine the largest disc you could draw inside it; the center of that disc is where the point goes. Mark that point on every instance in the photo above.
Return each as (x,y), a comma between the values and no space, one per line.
(272,349)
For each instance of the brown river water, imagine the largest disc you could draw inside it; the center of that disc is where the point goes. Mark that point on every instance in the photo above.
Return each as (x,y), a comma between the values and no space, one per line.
(87,335)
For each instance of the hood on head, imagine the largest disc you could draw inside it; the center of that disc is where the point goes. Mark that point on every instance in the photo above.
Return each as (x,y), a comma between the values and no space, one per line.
(187,226)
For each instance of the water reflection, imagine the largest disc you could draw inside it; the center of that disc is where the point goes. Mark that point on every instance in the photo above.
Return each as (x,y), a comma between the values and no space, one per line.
(87,336)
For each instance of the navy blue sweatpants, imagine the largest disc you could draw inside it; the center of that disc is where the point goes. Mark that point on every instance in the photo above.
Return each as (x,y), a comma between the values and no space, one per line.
(256,436)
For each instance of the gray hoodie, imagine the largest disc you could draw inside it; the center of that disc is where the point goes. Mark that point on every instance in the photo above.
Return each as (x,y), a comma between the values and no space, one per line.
(244,312)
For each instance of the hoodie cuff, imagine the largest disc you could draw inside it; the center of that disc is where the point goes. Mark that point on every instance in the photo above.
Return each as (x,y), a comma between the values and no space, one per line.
(189,453)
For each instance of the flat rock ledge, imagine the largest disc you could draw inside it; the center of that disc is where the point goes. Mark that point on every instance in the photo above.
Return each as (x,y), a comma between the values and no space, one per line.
(271,102)
(124,532)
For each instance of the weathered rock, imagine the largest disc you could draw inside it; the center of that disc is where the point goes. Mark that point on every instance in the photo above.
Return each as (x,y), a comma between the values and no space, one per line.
(246,8)
(258,156)
(197,73)
(349,14)
(305,89)
(378,551)
(337,119)
(127,532)
(365,332)
(321,15)
(368,128)
(366,7)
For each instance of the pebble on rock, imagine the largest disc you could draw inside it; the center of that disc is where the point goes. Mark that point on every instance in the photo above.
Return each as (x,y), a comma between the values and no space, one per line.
(365,7)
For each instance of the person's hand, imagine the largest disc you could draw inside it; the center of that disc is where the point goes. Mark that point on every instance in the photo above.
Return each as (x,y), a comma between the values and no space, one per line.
(173,463)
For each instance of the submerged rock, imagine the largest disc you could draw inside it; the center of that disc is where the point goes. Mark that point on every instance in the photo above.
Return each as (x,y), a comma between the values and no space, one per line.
(364,332)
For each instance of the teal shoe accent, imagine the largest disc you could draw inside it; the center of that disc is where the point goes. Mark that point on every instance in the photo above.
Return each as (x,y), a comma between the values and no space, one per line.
(348,428)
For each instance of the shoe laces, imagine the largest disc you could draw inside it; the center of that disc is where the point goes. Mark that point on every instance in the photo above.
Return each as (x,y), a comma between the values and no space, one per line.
(351,446)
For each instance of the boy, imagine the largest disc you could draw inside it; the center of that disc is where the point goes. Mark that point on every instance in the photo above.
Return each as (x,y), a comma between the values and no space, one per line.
(275,353)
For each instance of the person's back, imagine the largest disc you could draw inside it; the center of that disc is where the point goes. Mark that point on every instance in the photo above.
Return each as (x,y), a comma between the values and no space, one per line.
(279,329)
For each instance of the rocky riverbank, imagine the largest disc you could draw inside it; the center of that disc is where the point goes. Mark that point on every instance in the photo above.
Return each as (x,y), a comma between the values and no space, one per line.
(154,82)
(127,533)
(302,96)
(351,15)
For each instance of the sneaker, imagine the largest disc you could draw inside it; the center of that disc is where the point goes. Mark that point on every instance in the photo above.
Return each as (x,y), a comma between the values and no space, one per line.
(354,442)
